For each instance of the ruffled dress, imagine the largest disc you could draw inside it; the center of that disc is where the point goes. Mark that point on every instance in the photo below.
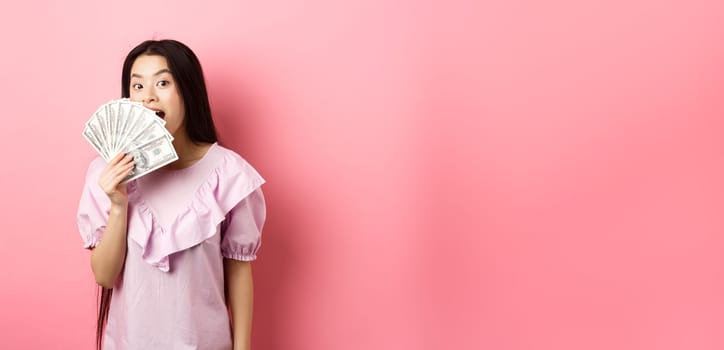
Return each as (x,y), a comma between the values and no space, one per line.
(181,224)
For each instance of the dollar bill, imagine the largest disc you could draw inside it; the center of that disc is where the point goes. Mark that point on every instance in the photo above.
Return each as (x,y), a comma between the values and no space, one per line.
(151,156)
(123,126)
(152,132)
(124,120)
(94,128)
(93,140)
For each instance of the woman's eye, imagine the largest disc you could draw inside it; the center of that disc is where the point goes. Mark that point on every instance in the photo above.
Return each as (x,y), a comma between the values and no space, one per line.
(162,83)
(137,86)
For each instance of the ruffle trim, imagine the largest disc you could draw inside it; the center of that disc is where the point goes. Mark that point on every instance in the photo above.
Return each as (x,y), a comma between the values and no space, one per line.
(90,241)
(90,238)
(93,207)
(199,221)
(238,256)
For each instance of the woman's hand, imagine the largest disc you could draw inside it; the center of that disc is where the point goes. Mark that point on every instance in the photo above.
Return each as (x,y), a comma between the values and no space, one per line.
(108,256)
(110,180)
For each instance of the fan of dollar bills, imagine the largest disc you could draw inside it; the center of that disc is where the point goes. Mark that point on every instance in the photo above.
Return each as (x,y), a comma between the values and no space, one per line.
(123,126)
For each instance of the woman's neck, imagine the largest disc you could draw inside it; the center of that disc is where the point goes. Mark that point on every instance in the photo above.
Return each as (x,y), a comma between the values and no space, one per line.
(188,152)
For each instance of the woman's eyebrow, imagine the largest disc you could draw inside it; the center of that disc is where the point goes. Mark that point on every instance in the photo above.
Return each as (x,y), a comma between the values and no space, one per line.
(165,70)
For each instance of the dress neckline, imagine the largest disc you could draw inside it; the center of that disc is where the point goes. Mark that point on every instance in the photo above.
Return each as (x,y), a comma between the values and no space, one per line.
(192,166)
(142,203)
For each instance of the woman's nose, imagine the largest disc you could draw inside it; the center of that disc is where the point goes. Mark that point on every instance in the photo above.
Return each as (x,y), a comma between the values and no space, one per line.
(149,97)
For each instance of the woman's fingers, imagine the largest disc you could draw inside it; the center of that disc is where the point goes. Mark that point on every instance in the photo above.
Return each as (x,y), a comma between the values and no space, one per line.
(116,170)
(123,160)
(122,173)
(127,158)
(123,166)
(120,159)
(117,159)
(121,170)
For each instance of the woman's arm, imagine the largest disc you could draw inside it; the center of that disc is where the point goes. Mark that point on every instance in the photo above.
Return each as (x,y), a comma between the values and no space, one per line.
(108,256)
(240,297)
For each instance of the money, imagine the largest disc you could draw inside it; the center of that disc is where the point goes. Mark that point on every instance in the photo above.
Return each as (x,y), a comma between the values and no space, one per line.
(151,156)
(123,126)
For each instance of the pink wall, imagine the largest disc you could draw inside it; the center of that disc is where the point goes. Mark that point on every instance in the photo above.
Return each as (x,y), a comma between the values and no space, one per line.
(504,175)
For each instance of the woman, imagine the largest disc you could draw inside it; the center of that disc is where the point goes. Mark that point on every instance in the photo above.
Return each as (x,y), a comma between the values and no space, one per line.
(173,248)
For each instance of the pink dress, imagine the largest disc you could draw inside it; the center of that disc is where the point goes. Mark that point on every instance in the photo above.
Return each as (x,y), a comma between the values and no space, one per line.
(181,224)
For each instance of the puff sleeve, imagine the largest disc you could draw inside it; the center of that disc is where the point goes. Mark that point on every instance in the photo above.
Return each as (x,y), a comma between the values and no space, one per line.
(93,207)
(242,227)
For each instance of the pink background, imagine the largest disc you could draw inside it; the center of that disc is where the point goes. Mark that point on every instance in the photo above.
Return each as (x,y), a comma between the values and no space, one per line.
(441,175)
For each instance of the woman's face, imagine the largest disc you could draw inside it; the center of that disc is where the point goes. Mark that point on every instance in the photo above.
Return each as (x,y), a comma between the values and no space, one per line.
(153,84)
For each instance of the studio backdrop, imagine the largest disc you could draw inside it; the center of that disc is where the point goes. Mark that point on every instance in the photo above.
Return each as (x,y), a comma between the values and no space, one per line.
(504,175)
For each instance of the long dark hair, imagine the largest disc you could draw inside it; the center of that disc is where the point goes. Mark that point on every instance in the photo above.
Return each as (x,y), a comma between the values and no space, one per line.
(189,77)
(103,304)
(186,70)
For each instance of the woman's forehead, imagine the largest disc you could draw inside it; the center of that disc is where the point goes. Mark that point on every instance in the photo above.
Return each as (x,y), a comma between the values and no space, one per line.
(149,65)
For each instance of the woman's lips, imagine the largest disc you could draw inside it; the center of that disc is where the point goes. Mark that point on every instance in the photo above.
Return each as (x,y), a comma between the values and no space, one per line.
(160,114)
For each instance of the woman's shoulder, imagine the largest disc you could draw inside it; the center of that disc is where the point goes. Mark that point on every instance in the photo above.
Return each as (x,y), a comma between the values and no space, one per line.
(232,161)
(233,168)
(95,166)
(230,180)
